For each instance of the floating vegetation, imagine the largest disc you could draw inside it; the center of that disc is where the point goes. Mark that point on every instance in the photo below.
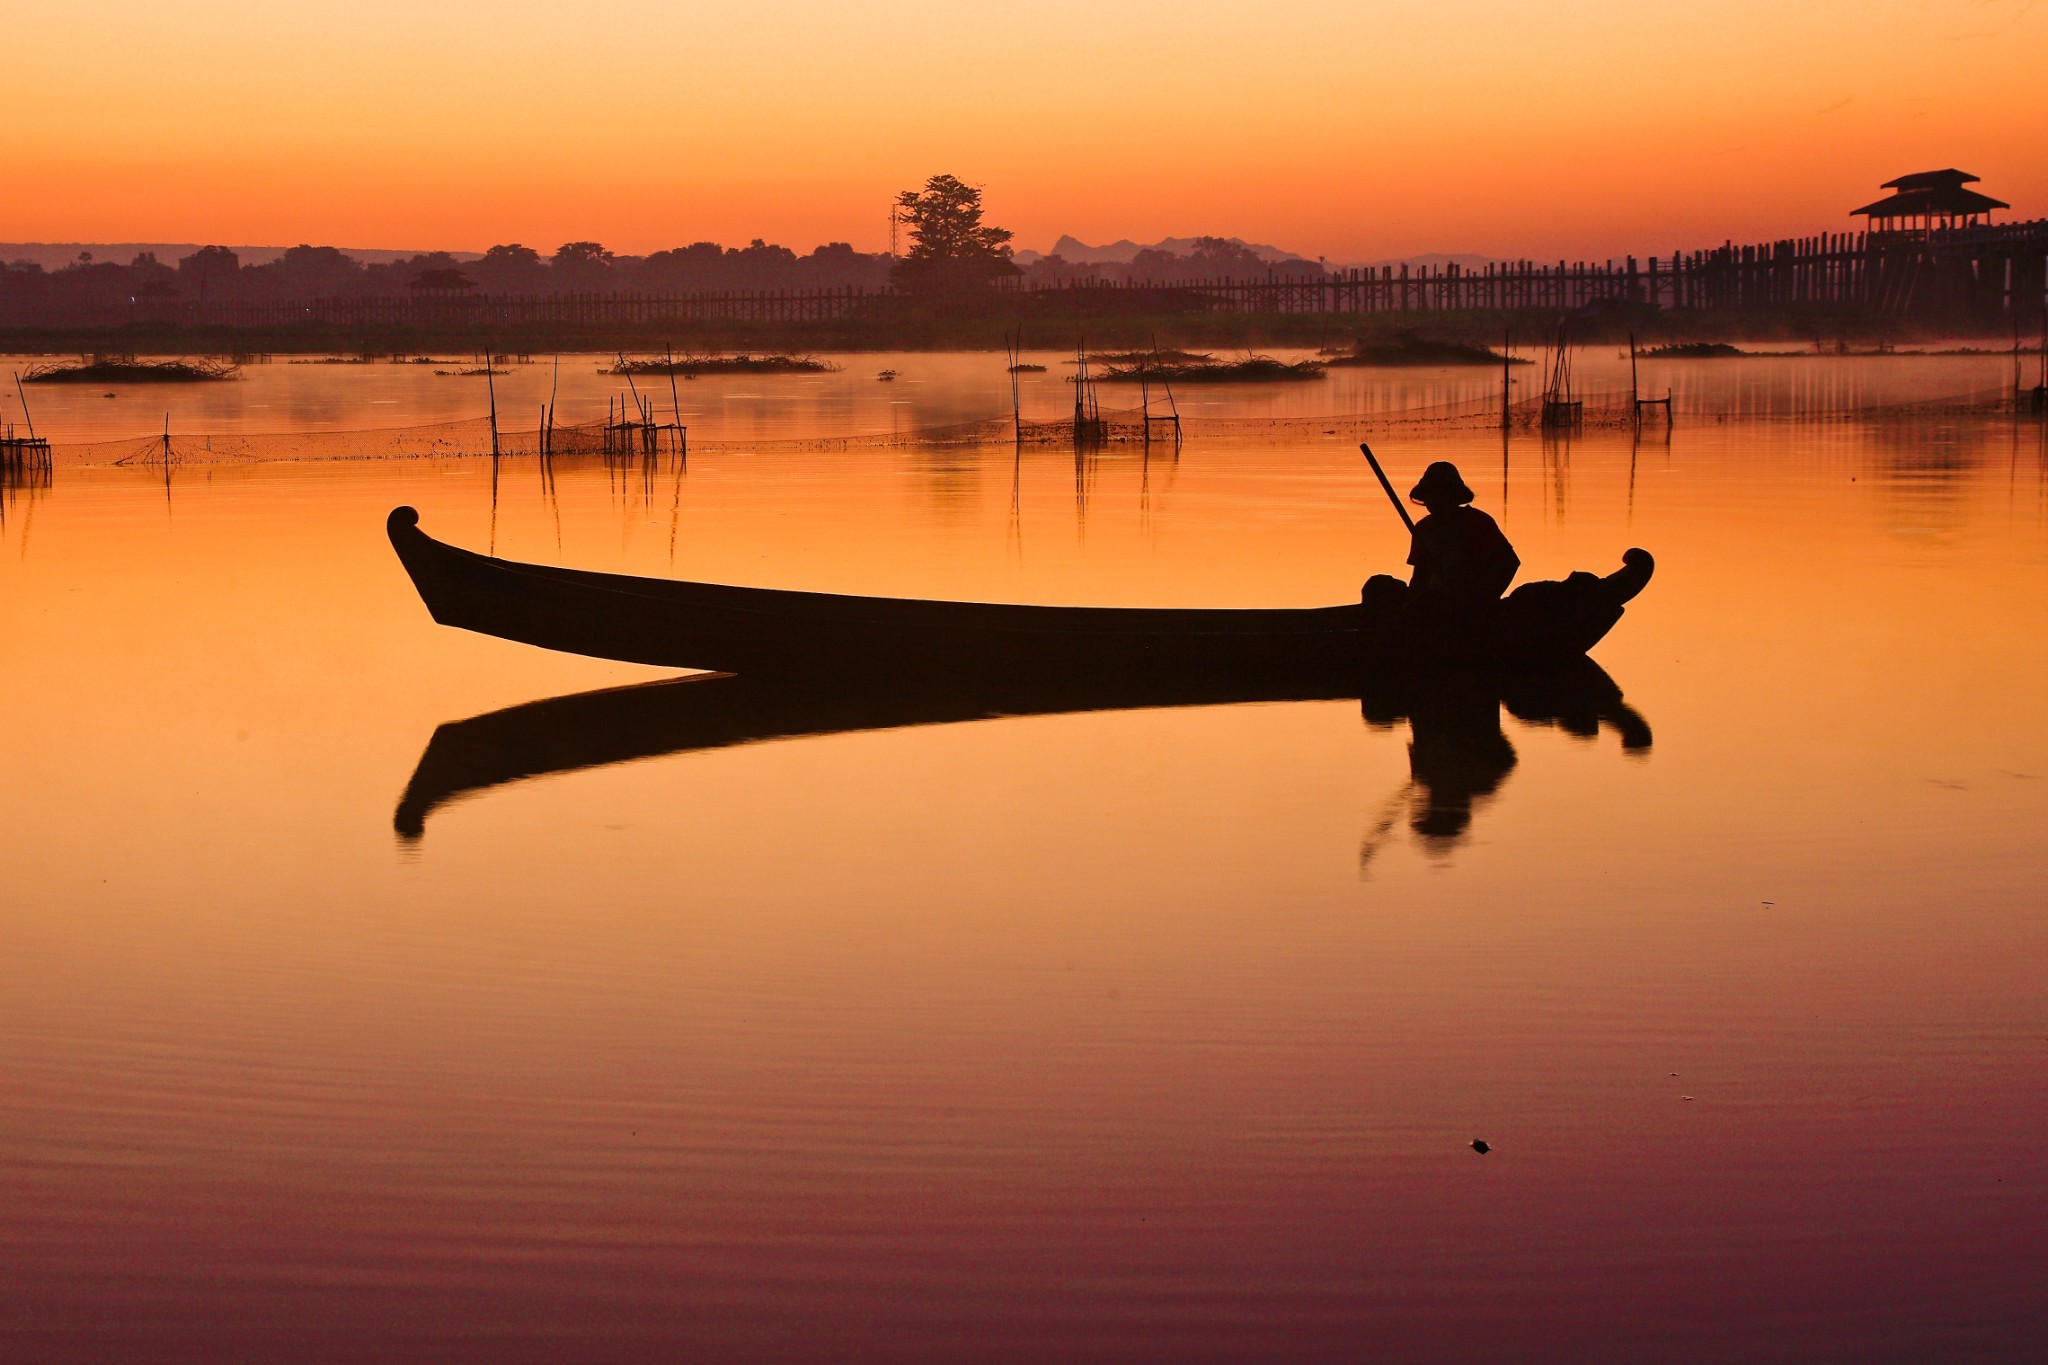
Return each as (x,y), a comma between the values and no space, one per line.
(1409,349)
(1692,350)
(480,372)
(886,376)
(1253,369)
(103,369)
(725,364)
(1157,357)
(1027,367)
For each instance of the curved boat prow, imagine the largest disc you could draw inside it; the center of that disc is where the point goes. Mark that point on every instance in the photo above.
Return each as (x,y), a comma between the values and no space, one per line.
(415,547)
(1631,578)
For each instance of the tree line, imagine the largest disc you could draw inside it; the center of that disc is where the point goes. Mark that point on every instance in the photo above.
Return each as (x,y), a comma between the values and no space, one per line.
(951,249)
(217,274)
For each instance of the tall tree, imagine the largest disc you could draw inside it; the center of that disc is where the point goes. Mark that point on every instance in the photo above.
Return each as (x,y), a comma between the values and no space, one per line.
(211,272)
(950,247)
(582,266)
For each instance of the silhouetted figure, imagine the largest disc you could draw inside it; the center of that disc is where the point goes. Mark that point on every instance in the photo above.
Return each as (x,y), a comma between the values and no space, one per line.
(1458,552)
(1461,560)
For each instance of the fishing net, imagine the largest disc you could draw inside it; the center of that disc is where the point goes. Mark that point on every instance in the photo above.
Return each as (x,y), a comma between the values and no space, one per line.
(624,440)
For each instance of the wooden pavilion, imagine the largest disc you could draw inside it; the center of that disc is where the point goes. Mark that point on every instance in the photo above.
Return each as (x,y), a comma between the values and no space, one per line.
(1929,200)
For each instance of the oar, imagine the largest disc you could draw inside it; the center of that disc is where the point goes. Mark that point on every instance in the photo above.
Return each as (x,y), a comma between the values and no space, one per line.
(1399,507)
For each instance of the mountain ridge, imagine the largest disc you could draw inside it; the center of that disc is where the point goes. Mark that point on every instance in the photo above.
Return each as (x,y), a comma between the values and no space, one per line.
(1074,251)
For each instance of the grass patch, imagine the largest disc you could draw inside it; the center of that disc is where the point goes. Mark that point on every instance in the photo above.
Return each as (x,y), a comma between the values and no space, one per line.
(1407,348)
(1253,369)
(726,364)
(1692,350)
(1154,356)
(101,369)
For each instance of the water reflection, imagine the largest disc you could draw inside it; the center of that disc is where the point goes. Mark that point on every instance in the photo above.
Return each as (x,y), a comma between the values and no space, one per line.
(1458,754)
(22,483)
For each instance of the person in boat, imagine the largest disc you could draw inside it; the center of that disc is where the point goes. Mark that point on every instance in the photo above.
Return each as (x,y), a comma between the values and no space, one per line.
(1461,560)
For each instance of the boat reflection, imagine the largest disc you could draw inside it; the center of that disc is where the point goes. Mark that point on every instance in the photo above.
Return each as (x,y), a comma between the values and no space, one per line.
(1458,754)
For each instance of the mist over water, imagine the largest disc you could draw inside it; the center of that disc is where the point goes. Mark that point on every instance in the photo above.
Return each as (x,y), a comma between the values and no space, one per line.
(1157,1033)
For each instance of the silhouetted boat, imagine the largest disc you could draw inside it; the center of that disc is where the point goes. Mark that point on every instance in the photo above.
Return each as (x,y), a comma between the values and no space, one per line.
(677,624)
(1451,718)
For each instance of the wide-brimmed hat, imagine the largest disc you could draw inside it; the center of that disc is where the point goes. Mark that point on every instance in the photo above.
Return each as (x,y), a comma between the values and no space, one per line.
(1441,482)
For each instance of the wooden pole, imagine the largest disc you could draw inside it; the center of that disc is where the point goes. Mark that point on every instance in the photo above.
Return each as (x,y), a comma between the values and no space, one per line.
(1507,374)
(24,406)
(1387,484)
(491,386)
(675,402)
(1016,350)
(631,388)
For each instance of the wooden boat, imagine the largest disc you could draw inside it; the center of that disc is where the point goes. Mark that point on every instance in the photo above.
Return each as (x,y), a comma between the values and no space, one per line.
(1451,718)
(678,624)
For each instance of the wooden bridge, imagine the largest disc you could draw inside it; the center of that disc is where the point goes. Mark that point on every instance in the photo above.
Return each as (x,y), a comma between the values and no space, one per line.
(514,310)
(1981,275)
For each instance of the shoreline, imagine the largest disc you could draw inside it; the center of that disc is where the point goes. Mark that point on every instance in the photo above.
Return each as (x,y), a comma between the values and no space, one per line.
(1801,331)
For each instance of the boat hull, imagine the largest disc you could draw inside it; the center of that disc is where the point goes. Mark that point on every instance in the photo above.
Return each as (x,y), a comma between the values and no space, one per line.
(678,624)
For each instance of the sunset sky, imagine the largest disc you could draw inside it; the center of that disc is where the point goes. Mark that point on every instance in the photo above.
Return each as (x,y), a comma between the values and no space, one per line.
(1345,130)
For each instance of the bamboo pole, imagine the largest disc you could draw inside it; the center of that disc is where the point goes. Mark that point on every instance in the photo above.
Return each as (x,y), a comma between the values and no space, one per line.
(676,404)
(1400,509)
(491,386)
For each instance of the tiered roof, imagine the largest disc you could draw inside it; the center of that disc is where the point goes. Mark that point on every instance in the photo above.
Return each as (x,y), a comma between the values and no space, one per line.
(1932,194)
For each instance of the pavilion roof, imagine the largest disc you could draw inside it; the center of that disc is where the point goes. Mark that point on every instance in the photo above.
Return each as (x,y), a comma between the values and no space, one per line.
(1938,194)
(1927,180)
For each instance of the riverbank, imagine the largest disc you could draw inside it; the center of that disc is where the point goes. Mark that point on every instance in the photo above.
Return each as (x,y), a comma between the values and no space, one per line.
(1816,328)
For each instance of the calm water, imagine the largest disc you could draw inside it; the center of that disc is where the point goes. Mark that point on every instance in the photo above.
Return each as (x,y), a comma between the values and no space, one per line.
(1149,1034)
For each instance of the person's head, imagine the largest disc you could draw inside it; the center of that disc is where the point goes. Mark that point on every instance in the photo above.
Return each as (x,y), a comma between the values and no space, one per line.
(1441,488)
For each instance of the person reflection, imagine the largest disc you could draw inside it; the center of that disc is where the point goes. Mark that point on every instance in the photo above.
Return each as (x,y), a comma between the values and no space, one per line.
(1459,756)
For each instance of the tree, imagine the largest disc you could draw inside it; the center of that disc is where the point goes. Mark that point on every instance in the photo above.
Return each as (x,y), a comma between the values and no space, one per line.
(510,268)
(441,280)
(1223,257)
(309,272)
(950,248)
(511,256)
(582,266)
(212,271)
(1151,263)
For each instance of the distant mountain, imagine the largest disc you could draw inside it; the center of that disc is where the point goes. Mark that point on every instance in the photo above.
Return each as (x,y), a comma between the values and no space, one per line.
(1077,252)
(55,255)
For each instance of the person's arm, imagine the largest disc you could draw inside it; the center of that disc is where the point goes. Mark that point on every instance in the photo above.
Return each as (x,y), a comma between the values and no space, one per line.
(1420,559)
(1507,562)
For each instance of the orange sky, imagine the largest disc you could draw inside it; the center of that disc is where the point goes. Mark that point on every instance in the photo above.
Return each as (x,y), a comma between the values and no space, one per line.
(1326,127)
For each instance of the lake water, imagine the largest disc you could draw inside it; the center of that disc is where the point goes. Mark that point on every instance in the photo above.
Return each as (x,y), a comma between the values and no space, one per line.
(1149,1034)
